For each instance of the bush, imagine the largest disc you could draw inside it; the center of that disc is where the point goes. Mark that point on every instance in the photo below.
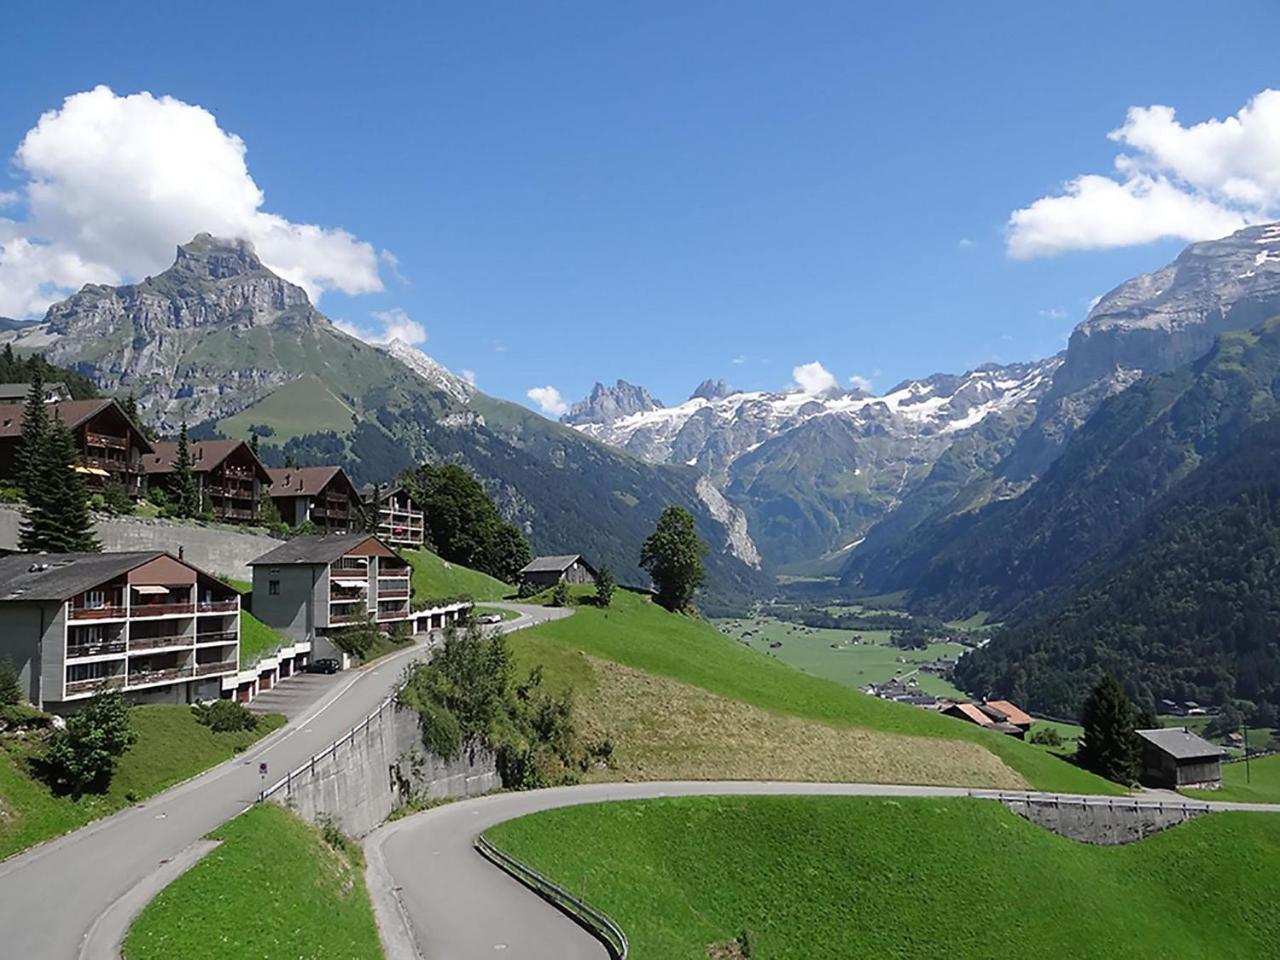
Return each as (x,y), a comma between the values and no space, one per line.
(10,495)
(116,499)
(22,716)
(1046,737)
(358,639)
(83,757)
(158,496)
(560,595)
(10,687)
(528,589)
(605,586)
(224,716)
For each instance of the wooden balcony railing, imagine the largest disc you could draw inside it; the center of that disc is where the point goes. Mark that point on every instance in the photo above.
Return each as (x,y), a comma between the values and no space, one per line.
(155,643)
(222,666)
(139,677)
(218,606)
(395,593)
(96,613)
(113,682)
(105,440)
(143,610)
(75,650)
(222,636)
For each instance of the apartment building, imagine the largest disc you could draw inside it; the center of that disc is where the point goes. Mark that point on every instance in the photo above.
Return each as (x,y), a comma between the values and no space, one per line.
(310,587)
(228,475)
(400,523)
(324,495)
(110,446)
(145,623)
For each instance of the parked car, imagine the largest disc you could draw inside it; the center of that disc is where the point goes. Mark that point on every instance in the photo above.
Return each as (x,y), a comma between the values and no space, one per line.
(324,665)
(490,618)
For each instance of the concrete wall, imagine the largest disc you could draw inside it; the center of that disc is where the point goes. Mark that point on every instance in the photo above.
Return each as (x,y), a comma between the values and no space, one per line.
(378,767)
(292,611)
(223,551)
(24,629)
(1104,822)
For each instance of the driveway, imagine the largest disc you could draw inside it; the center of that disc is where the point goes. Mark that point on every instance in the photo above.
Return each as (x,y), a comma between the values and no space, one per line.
(436,898)
(51,896)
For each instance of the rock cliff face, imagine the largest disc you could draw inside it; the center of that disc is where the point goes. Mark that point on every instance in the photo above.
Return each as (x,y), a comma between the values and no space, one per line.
(1153,324)
(606,404)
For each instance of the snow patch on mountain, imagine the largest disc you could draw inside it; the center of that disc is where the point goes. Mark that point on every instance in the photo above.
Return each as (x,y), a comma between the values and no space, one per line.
(431,370)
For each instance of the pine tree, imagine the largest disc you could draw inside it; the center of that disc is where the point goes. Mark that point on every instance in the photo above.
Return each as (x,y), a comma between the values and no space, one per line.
(57,518)
(35,432)
(186,499)
(1109,747)
(605,586)
(253,443)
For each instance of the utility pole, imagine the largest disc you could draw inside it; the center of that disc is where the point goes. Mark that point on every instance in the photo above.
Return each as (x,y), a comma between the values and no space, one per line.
(1244,733)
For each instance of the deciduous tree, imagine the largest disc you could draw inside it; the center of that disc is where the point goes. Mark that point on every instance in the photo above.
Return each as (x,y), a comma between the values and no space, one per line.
(673,556)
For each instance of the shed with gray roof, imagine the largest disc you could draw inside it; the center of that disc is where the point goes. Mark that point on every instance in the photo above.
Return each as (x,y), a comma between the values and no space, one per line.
(544,572)
(1174,757)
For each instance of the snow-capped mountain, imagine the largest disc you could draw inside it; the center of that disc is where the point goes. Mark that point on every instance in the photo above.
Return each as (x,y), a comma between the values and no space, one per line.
(431,370)
(812,473)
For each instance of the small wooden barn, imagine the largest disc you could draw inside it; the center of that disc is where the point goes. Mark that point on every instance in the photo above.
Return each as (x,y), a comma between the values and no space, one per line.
(545,572)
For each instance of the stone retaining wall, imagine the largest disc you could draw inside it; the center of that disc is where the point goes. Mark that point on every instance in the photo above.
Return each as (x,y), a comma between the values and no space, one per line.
(1104,822)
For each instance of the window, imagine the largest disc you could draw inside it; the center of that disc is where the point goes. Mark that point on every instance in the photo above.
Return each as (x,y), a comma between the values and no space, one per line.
(95,599)
(273,588)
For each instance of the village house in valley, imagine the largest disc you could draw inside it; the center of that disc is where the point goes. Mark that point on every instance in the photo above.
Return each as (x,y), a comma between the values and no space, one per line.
(148,624)
(323,495)
(1176,758)
(110,446)
(548,571)
(229,477)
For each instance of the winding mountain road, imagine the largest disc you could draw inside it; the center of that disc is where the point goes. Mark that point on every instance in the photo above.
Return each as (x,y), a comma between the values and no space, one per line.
(73,897)
(437,899)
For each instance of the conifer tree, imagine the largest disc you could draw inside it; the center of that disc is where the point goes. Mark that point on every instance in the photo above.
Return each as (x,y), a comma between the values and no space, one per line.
(57,518)
(253,443)
(35,433)
(186,499)
(1109,747)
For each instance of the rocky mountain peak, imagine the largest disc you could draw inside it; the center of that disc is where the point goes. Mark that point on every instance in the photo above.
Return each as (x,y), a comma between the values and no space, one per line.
(607,404)
(215,258)
(712,390)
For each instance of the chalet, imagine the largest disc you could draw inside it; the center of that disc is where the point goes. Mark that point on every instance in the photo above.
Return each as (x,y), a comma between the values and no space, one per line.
(228,476)
(324,495)
(998,715)
(18,392)
(1175,757)
(110,446)
(548,571)
(399,521)
(147,624)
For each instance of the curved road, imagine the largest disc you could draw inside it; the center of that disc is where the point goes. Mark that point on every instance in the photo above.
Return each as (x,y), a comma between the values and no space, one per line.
(436,898)
(51,897)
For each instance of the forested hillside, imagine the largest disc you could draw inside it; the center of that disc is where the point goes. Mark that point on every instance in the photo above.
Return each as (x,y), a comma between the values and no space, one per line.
(1189,608)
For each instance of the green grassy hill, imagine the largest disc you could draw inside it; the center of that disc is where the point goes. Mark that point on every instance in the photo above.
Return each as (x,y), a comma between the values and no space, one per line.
(836,877)
(434,577)
(171,747)
(1257,783)
(276,889)
(299,407)
(641,635)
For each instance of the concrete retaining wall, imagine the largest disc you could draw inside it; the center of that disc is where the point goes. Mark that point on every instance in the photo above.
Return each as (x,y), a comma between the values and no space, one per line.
(223,551)
(1104,822)
(379,766)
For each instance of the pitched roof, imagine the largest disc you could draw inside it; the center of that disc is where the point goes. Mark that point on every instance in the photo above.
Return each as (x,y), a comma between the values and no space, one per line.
(72,412)
(205,455)
(18,392)
(324,548)
(60,576)
(1180,743)
(1009,713)
(302,481)
(973,712)
(556,564)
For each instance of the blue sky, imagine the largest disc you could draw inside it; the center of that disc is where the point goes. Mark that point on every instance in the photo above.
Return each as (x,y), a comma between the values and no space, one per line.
(557,193)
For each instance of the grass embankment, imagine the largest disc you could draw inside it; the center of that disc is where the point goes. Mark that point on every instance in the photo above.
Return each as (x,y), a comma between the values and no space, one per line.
(830,654)
(433,577)
(275,889)
(257,640)
(852,876)
(641,635)
(171,747)
(1259,783)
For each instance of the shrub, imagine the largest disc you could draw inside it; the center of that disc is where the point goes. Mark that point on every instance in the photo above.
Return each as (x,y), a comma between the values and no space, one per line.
(224,716)
(82,758)
(116,499)
(605,586)
(528,589)
(1046,737)
(560,595)
(23,716)
(358,639)
(10,687)
(10,495)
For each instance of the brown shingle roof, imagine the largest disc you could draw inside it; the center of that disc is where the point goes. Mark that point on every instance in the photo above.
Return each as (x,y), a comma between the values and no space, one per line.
(301,481)
(72,413)
(205,455)
(1011,714)
(973,712)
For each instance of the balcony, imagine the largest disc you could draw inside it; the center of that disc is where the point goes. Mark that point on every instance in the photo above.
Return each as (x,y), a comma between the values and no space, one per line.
(218,606)
(155,643)
(393,593)
(222,636)
(340,618)
(93,684)
(94,649)
(139,678)
(143,610)
(105,440)
(222,666)
(112,612)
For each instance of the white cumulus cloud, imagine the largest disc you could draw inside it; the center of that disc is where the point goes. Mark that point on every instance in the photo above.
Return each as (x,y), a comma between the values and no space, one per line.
(388,325)
(112,184)
(548,400)
(813,378)
(468,375)
(861,383)
(1172,181)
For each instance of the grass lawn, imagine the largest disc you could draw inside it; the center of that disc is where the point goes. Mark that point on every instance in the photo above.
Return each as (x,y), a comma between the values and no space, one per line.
(1263,785)
(171,747)
(433,577)
(299,407)
(837,877)
(639,634)
(257,640)
(829,653)
(274,890)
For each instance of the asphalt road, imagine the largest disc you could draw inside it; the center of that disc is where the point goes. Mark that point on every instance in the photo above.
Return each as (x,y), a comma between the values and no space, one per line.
(437,899)
(52,896)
